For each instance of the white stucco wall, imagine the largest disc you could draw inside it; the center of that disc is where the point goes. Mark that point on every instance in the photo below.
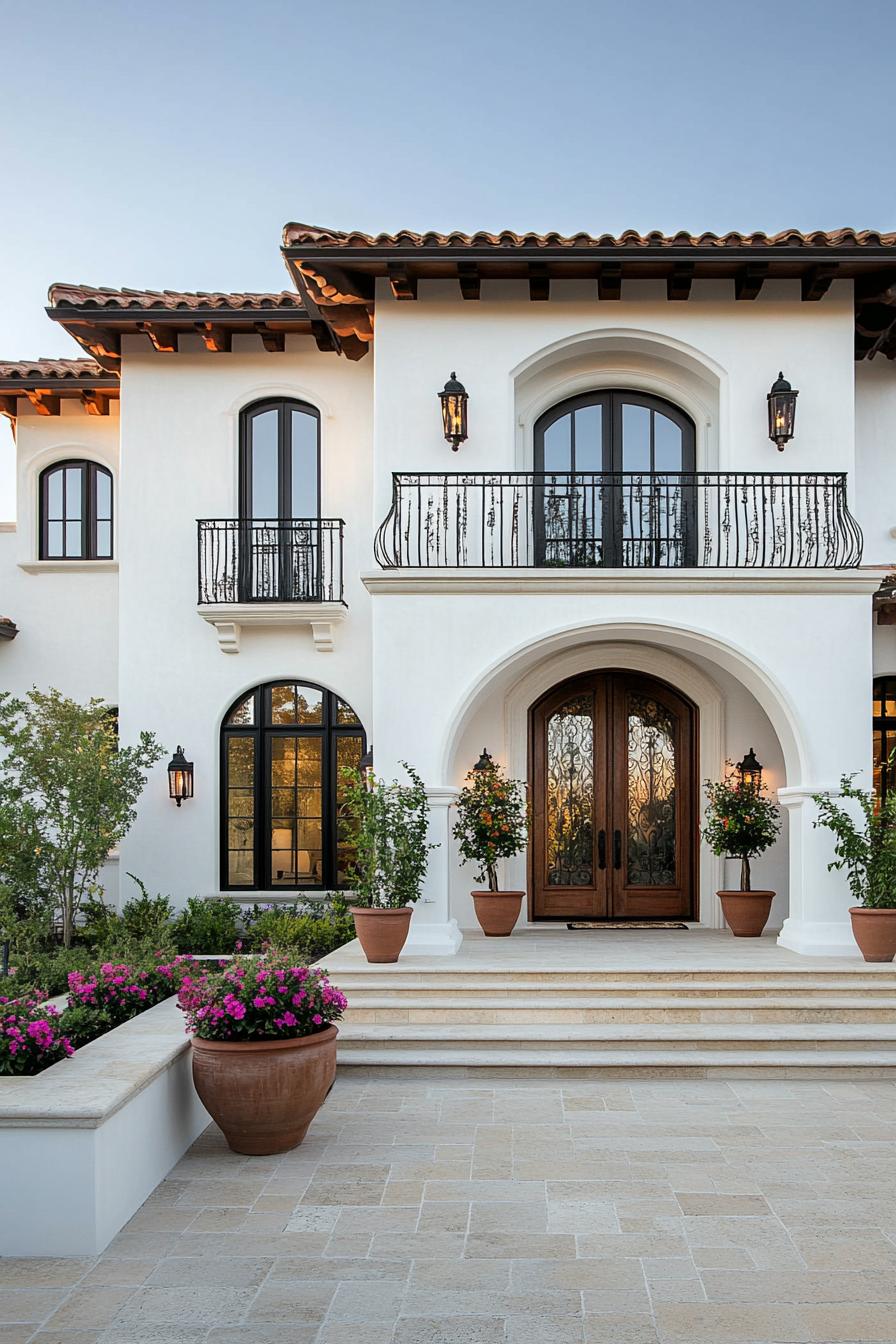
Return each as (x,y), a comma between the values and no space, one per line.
(876,458)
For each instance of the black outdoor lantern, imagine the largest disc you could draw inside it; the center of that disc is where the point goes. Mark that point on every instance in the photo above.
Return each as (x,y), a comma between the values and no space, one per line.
(750,771)
(485,761)
(453,397)
(781,411)
(180,777)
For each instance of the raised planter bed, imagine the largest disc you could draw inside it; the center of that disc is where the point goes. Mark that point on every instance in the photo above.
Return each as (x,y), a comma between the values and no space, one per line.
(85,1142)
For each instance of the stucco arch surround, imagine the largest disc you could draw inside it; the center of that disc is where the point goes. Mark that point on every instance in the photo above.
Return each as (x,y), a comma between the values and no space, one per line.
(526,672)
(632,358)
(64,450)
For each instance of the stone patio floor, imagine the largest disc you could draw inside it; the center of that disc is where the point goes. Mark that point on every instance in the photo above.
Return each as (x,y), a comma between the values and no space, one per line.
(432,1210)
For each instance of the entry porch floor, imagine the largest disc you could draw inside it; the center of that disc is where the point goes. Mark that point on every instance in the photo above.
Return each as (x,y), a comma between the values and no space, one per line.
(517,1211)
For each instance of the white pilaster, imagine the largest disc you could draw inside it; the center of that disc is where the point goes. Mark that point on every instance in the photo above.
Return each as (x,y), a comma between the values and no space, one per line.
(433,931)
(818,924)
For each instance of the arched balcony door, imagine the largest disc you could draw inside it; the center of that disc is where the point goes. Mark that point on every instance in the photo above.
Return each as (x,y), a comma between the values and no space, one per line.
(614,799)
(614,482)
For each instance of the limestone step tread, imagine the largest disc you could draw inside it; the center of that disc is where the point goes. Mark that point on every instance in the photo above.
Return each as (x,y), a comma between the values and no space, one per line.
(475,1034)
(387,978)
(509,1001)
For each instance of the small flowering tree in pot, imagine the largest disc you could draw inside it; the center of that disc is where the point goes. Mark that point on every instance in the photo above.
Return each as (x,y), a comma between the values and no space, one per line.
(865,845)
(492,824)
(741,822)
(387,825)
(264,1048)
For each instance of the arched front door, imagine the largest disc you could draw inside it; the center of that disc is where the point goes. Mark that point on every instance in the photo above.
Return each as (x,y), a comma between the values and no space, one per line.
(614,482)
(614,793)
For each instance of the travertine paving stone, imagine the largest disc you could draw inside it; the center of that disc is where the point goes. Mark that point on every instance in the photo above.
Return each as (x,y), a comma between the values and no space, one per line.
(440,1210)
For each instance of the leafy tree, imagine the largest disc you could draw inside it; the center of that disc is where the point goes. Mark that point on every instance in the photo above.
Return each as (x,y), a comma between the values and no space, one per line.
(741,820)
(388,824)
(68,795)
(492,820)
(866,851)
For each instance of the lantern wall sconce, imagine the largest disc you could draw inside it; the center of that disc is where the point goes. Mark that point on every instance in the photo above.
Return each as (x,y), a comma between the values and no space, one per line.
(453,397)
(485,761)
(781,411)
(180,777)
(750,771)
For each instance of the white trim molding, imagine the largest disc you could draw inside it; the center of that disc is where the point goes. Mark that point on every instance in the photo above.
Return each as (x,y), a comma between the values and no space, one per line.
(321,618)
(463,580)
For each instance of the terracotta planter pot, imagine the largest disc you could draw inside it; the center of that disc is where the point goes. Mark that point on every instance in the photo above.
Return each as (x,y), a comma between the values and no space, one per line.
(264,1094)
(497,911)
(381,933)
(875,932)
(746,912)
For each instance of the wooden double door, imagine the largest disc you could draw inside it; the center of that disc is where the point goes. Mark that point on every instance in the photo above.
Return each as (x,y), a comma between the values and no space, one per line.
(613,759)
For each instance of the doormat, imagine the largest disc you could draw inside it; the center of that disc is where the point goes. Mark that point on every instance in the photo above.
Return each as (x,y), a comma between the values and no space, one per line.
(626,924)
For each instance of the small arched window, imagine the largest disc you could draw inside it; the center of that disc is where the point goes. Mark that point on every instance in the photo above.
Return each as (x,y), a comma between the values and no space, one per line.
(283,746)
(883,725)
(279,461)
(76,512)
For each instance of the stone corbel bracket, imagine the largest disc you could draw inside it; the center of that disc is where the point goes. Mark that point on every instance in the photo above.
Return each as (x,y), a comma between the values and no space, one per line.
(229,621)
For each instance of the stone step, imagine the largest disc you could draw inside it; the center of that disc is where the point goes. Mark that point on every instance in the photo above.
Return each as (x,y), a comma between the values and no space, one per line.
(393,980)
(475,1009)
(597,1063)
(630,1036)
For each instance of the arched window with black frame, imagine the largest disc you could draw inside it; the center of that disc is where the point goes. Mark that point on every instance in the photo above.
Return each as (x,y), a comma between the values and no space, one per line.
(614,482)
(76,511)
(283,746)
(884,735)
(280,556)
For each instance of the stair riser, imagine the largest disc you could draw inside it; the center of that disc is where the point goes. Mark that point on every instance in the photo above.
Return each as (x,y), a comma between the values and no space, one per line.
(436,988)
(582,1016)
(360,1065)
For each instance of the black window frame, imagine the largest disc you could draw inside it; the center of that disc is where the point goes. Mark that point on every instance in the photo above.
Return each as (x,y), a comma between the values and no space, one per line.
(283,406)
(263,731)
(885,724)
(90,472)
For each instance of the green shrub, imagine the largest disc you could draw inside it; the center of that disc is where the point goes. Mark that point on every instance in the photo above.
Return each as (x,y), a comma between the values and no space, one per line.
(308,931)
(46,971)
(204,927)
(83,1023)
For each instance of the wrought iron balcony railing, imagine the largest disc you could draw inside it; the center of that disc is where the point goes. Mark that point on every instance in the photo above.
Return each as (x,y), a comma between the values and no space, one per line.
(270,560)
(630,520)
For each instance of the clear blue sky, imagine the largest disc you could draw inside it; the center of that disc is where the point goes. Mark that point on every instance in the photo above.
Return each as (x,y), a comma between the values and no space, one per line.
(164,144)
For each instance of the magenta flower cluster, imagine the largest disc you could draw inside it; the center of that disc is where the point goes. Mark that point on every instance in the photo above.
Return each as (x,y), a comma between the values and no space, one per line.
(30,1036)
(120,991)
(254,999)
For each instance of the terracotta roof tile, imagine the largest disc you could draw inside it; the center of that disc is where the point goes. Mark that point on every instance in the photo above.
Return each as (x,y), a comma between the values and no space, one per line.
(30,369)
(297,235)
(169,300)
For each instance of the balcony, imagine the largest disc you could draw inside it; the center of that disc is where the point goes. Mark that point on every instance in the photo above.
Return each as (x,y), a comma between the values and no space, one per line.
(271,572)
(619,520)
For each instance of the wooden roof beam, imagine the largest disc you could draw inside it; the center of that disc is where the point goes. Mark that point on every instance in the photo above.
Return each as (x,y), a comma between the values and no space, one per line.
(45,403)
(817,281)
(95,402)
(323,337)
(8,406)
(609,280)
(403,285)
(164,339)
(678,283)
(273,341)
(749,281)
(468,279)
(216,338)
(539,282)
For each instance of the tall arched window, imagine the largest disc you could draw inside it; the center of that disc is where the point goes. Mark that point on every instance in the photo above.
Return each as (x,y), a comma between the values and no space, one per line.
(883,726)
(280,552)
(283,746)
(76,512)
(612,481)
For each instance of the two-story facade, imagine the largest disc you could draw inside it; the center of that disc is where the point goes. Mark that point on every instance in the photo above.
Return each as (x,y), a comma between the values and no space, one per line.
(239,520)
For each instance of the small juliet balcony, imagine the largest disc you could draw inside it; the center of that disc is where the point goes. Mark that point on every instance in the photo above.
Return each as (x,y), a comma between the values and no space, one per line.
(271,572)
(619,520)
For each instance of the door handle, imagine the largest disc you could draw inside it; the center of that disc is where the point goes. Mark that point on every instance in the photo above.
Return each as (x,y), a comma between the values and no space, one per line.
(617,849)
(601,849)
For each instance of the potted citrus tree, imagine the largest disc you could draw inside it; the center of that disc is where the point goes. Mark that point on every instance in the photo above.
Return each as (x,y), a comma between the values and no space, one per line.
(741,822)
(264,1047)
(492,824)
(868,853)
(389,825)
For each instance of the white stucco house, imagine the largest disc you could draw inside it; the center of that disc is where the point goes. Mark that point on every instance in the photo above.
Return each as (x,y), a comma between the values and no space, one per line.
(240,521)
